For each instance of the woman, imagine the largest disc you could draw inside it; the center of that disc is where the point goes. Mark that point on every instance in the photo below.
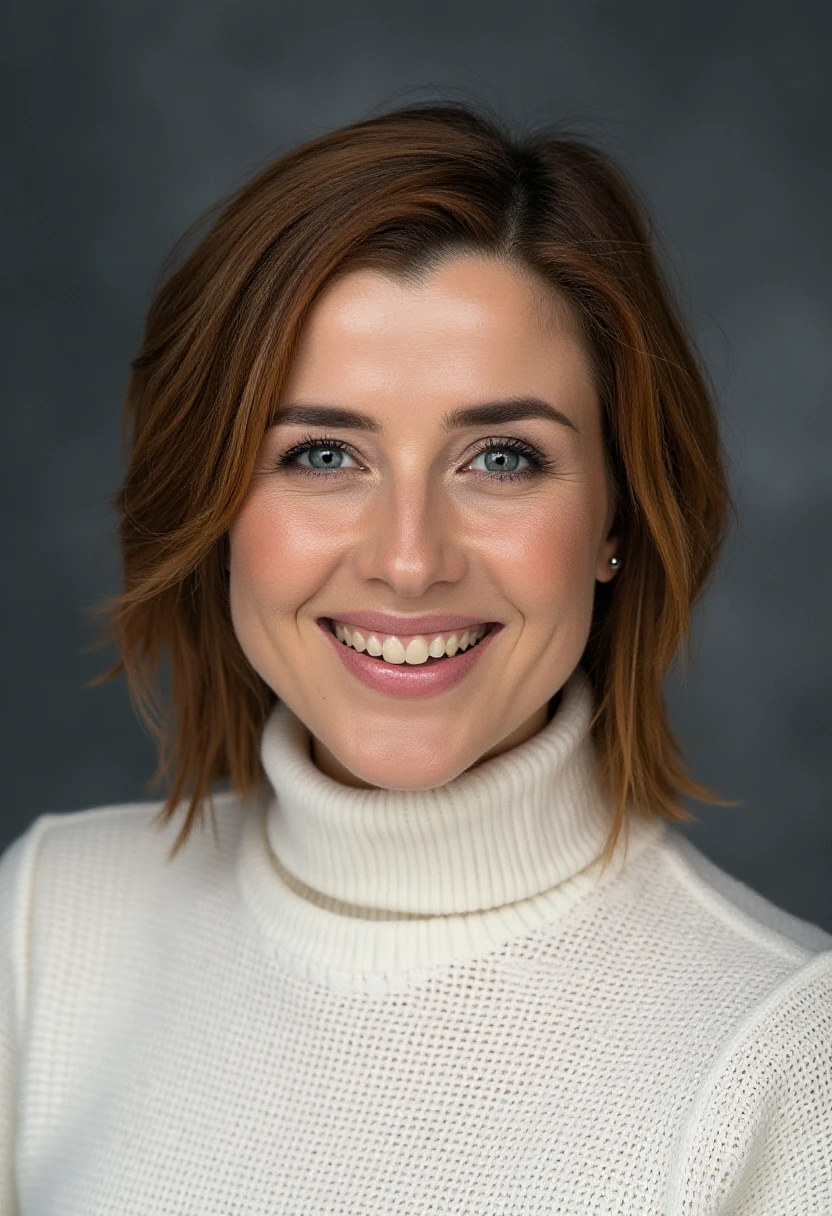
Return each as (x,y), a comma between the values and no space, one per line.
(425,478)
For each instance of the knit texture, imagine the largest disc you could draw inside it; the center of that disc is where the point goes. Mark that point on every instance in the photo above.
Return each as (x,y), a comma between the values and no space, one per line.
(354,1002)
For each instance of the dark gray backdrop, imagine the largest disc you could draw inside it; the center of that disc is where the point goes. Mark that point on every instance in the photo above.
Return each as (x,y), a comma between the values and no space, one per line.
(124,121)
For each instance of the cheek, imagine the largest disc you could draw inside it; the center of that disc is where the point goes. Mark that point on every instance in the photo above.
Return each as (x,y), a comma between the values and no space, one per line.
(545,562)
(277,558)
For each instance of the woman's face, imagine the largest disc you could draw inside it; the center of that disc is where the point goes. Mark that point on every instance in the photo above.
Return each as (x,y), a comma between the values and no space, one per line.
(409,516)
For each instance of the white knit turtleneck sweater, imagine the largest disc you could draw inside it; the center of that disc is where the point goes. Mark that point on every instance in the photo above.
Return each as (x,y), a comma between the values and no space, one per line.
(405,1002)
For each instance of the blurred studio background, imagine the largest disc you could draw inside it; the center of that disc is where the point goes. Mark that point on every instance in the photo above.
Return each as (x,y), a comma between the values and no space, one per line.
(123,122)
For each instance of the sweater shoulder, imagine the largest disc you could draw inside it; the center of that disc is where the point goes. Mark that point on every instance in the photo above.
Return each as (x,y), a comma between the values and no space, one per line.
(118,843)
(758,1136)
(736,910)
(751,995)
(101,870)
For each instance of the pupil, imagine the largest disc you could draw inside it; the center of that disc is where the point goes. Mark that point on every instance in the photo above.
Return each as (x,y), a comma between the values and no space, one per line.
(500,457)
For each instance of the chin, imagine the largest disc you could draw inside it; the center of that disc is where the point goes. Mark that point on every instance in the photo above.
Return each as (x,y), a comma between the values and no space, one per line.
(412,773)
(416,780)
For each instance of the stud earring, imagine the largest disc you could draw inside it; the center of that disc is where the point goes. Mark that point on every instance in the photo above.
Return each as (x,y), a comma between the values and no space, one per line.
(614,561)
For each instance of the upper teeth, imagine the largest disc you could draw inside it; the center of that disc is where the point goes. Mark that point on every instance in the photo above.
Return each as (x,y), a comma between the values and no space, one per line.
(390,648)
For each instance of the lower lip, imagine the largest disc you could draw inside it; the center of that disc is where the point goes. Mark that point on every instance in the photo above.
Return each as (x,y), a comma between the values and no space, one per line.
(406,680)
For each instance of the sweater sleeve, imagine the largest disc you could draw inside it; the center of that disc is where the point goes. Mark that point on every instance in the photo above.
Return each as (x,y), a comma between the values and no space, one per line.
(15,871)
(758,1141)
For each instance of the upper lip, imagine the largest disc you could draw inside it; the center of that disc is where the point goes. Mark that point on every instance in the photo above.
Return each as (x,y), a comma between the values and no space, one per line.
(385,622)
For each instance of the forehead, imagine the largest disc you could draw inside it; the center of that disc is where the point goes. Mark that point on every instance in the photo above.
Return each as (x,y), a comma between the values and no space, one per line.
(466,326)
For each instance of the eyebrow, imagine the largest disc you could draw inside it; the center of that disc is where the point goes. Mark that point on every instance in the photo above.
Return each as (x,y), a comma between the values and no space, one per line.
(489,413)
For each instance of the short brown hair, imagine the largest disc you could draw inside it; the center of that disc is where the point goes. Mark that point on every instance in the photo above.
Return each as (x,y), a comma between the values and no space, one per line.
(399,192)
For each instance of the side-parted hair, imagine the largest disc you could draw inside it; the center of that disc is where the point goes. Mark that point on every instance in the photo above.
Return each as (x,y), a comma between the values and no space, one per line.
(400,192)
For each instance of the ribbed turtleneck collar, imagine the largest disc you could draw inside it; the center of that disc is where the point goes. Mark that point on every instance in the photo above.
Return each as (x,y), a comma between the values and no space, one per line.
(359,881)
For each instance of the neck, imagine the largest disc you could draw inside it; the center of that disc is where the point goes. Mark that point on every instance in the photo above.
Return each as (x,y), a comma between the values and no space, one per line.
(505,829)
(351,881)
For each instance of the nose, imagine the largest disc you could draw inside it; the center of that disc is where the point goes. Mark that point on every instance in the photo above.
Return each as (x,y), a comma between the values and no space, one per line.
(410,538)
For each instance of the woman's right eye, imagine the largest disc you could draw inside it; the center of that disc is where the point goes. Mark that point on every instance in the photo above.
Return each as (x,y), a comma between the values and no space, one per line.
(322,455)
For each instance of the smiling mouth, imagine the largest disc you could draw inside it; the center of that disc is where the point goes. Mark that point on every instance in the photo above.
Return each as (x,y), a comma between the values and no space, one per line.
(424,650)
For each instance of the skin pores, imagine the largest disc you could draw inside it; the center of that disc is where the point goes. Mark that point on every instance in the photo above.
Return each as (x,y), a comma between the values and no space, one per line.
(412,520)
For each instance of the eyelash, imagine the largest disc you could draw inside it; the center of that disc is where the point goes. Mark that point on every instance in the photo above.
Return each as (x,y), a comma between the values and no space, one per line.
(539,462)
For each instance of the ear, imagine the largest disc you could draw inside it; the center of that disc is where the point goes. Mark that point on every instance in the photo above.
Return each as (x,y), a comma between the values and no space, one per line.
(609,547)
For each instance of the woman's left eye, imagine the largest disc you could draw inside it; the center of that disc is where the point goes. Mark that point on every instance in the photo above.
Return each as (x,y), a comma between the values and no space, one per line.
(504,461)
